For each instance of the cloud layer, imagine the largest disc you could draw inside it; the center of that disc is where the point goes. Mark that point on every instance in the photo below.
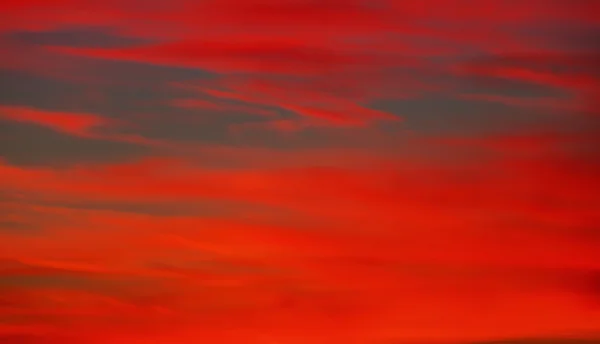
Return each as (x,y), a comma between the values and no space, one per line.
(297,171)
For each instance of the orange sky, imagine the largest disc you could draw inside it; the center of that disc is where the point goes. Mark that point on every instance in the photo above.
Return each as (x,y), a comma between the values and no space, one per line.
(294,171)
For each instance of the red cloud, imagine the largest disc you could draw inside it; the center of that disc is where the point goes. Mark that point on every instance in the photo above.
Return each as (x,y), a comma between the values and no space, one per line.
(76,124)
(211,106)
(70,123)
(347,229)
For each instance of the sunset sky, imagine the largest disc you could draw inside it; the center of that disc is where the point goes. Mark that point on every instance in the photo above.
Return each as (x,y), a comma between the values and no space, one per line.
(299,171)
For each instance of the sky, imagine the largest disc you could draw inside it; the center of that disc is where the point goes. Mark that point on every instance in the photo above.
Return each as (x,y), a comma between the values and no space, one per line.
(297,171)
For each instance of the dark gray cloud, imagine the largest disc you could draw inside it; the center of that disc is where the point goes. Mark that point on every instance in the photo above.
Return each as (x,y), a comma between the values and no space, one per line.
(447,112)
(14,226)
(572,36)
(115,89)
(79,37)
(20,88)
(147,106)
(14,274)
(30,144)
(203,208)
(448,115)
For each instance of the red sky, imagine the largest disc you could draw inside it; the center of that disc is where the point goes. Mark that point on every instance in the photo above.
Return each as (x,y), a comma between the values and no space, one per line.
(295,171)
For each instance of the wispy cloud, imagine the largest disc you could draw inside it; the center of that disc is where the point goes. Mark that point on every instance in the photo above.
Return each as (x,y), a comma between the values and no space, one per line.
(274,171)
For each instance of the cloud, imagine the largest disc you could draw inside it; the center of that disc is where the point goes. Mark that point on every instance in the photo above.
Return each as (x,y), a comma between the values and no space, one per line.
(70,123)
(335,194)
(71,137)
(558,340)
(293,171)
(329,277)
(571,79)
(75,37)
